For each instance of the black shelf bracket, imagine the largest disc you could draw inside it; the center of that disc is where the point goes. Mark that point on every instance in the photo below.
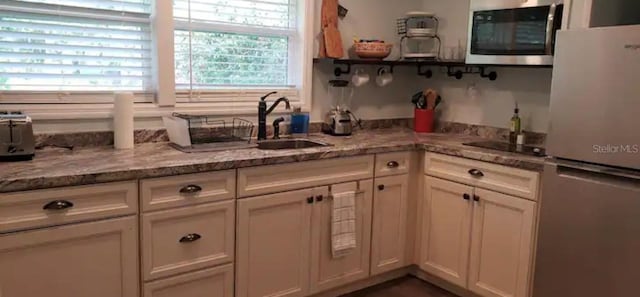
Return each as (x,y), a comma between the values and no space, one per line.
(338,71)
(481,70)
(491,75)
(426,73)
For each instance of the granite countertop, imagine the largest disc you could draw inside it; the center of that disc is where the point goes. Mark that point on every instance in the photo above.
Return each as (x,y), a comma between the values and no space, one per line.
(60,167)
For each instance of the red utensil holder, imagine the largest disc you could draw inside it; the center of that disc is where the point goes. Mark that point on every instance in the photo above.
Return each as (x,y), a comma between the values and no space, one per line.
(423,120)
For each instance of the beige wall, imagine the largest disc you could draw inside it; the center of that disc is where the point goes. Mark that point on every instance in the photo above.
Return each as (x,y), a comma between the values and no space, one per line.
(370,19)
(495,101)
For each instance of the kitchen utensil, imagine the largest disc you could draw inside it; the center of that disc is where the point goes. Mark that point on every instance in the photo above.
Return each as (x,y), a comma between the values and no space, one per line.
(202,133)
(360,78)
(17,142)
(418,100)
(372,49)
(331,41)
(431,97)
(419,31)
(384,77)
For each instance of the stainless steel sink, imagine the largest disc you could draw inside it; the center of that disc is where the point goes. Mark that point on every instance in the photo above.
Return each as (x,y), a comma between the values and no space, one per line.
(286,144)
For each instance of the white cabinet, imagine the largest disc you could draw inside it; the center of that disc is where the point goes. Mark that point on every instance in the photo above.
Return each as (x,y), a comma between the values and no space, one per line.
(186,239)
(446,228)
(273,244)
(501,245)
(326,271)
(98,259)
(284,242)
(389,230)
(477,239)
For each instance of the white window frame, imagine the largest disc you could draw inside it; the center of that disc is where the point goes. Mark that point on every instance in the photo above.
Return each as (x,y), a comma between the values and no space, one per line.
(162,101)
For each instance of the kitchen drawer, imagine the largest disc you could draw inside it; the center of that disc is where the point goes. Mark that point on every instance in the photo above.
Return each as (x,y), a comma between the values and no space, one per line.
(261,180)
(189,189)
(214,282)
(41,208)
(186,239)
(392,163)
(499,178)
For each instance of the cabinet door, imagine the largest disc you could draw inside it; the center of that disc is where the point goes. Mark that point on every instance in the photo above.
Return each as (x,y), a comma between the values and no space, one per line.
(501,245)
(273,237)
(388,239)
(97,259)
(446,229)
(328,272)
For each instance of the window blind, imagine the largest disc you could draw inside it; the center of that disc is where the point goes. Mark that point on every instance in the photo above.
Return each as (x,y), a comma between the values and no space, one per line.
(234,44)
(75,45)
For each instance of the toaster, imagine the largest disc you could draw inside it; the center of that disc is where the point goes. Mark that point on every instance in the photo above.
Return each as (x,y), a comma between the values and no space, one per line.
(16,137)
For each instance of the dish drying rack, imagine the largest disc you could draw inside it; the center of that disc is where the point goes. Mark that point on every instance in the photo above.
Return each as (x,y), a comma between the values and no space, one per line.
(420,27)
(204,133)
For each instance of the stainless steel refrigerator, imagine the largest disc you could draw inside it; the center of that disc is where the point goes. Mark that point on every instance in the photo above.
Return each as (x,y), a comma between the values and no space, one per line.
(589,229)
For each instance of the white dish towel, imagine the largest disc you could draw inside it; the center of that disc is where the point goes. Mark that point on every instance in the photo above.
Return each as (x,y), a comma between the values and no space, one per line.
(343,224)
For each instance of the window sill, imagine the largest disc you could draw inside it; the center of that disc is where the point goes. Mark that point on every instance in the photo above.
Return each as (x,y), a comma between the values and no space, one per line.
(45,112)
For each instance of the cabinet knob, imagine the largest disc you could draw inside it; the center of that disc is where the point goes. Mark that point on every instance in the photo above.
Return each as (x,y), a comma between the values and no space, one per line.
(190,238)
(190,189)
(393,164)
(476,172)
(58,205)
(476,198)
(466,196)
(310,200)
(319,198)
(381,187)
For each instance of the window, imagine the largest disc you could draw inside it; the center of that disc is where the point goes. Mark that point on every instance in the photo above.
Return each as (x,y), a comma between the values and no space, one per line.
(225,55)
(75,45)
(228,45)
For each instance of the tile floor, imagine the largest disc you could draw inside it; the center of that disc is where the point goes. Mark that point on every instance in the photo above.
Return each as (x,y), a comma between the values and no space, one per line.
(404,287)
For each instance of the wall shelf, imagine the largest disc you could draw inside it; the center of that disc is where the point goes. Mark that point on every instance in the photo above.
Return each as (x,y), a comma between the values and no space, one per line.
(454,69)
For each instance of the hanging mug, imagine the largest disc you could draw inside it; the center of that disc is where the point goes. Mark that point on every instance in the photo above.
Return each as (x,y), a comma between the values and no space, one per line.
(384,77)
(360,78)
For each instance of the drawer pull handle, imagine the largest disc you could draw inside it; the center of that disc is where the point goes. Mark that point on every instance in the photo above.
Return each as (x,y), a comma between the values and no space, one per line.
(58,205)
(476,198)
(190,238)
(319,198)
(466,197)
(310,200)
(381,187)
(476,172)
(393,164)
(191,189)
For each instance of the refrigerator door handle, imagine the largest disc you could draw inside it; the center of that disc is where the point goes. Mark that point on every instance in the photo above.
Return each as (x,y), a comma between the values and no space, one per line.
(594,175)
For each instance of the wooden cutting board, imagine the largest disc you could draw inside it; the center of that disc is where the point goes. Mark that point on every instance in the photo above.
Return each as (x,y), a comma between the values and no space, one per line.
(331,44)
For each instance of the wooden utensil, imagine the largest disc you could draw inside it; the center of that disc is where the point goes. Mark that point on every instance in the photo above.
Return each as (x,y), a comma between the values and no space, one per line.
(333,43)
(432,97)
(332,39)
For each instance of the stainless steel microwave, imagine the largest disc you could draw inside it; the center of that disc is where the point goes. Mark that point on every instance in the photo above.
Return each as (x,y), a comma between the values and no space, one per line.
(513,32)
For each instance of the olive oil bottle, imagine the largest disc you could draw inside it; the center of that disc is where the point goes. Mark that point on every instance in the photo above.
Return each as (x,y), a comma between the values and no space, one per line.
(515,127)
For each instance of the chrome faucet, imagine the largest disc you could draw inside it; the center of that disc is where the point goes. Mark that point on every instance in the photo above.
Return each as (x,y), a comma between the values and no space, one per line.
(263,112)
